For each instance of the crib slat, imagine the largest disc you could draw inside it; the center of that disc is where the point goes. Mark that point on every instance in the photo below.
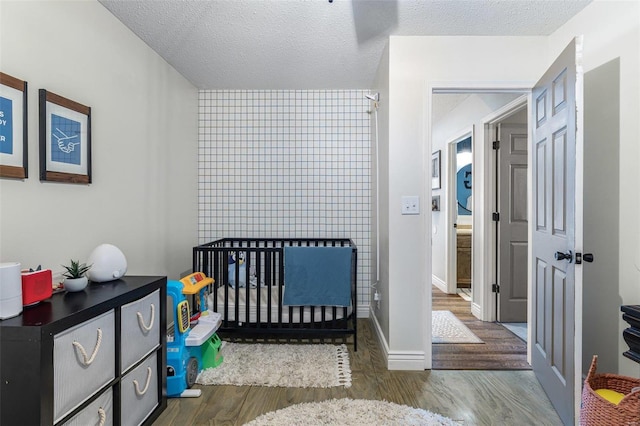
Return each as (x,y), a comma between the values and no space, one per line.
(259,309)
(269,284)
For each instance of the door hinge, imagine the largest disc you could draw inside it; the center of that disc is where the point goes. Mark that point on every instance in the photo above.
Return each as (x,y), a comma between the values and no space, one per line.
(495,288)
(496,217)
(496,144)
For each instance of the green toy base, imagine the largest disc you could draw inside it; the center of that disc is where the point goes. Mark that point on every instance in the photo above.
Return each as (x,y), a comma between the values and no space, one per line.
(211,356)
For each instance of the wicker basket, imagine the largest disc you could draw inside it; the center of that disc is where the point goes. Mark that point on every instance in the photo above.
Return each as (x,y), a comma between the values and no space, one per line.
(596,411)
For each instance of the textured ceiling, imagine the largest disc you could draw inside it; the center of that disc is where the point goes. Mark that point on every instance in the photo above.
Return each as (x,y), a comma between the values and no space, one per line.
(314,44)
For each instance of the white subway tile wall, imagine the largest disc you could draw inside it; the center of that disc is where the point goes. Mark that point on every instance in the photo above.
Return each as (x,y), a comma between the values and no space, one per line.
(286,164)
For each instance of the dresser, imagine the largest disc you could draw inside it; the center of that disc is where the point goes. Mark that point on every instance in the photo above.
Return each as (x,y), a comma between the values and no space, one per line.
(94,357)
(463,261)
(631,334)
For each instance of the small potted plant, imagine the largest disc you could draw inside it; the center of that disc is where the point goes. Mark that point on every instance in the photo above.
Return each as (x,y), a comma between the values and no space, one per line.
(74,277)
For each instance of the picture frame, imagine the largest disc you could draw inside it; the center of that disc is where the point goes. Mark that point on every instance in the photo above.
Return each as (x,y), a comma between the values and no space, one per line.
(435,170)
(435,203)
(13,127)
(65,139)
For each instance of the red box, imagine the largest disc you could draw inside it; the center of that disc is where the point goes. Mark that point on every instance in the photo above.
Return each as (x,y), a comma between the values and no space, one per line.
(36,286)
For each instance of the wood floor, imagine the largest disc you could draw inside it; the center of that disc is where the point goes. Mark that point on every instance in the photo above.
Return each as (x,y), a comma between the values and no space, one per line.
(470,397)
(502,350)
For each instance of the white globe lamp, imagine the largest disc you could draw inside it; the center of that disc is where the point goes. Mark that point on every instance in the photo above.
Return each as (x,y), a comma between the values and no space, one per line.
(107,263)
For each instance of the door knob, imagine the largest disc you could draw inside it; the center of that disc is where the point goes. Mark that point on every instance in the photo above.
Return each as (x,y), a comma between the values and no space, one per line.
(562,256)
(587,257)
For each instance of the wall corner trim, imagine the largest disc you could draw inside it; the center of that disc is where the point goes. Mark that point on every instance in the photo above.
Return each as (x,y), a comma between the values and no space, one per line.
(398,360)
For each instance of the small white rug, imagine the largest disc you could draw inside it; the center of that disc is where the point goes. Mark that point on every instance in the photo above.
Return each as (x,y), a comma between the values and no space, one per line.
(292,366)
(350,412)
(447,328)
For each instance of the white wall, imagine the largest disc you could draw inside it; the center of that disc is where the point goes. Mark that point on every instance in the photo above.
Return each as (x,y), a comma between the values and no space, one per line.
(416,65)
(611,32)
(287,164)
(601,200)
(144,143)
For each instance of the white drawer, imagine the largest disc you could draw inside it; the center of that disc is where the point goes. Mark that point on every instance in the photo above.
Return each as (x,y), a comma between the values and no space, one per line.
(139,392)
(140,331)
(78,375)
(93,413)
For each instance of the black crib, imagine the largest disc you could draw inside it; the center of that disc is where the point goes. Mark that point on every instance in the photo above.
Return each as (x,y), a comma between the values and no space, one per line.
(248,291)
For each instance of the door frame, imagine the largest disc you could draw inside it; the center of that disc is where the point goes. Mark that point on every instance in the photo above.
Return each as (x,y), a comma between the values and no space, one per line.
(450,257)
(482,245)
(490,272)
(481,239)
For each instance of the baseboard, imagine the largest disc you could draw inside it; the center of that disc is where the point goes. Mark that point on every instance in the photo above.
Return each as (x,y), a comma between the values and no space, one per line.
(397,360)
(383,341)
(439,283)
(406,360)
(363,311)
(476,310)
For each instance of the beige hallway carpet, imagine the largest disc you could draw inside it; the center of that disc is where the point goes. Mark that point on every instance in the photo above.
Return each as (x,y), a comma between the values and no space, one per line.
(447,328)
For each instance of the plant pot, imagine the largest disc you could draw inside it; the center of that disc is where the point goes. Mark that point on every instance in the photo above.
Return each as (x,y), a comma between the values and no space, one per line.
(75,284)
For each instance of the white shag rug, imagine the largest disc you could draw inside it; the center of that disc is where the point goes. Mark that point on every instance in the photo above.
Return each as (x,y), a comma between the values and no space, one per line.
(348,412)
(283,365)
(447,328)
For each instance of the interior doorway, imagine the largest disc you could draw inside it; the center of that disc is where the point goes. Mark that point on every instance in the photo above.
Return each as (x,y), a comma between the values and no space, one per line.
(511,163)
(460,125)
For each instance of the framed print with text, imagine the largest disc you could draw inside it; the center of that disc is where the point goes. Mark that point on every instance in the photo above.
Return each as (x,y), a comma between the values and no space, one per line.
(65,139)
(13,127)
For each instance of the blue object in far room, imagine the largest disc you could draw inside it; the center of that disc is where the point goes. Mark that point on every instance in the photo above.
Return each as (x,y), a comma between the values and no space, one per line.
(242,270)
(317,276)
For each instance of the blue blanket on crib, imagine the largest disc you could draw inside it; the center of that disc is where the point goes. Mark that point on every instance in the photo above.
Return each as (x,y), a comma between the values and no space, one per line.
(315,276)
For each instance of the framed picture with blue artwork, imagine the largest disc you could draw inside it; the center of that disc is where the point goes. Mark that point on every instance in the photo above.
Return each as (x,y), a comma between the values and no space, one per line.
(13,127)
(65,139)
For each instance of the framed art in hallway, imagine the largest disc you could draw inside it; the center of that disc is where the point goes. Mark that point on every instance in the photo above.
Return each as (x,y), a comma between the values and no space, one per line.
(435,203)
(65,139)
(435,170)
(13,127)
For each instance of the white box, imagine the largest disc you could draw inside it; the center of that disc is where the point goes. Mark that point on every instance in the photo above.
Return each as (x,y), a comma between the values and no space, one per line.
(10,290)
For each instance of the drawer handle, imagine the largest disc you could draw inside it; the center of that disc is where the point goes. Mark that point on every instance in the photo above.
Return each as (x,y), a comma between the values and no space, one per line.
(89,360)
(146,385)
(103,416)
(141,320)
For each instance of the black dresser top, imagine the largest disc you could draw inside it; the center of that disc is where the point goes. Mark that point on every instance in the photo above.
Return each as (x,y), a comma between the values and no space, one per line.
(65,308)
(632,310)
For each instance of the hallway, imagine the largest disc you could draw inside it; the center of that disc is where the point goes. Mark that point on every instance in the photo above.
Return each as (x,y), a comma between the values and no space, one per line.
(502,350)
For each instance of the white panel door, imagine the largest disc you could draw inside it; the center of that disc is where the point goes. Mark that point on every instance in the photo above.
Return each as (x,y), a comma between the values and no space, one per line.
(557,230)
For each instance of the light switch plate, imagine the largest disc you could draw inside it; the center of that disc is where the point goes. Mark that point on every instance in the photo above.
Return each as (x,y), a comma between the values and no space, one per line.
(410,204)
